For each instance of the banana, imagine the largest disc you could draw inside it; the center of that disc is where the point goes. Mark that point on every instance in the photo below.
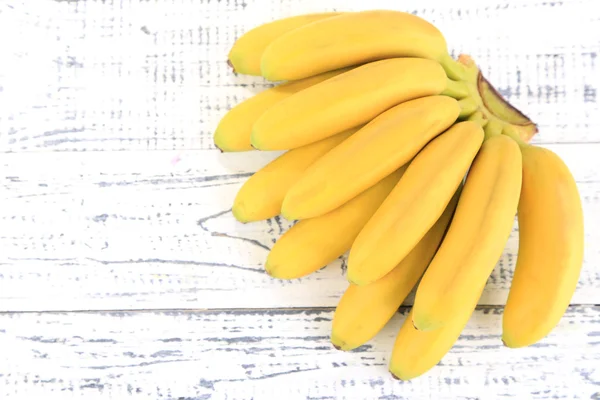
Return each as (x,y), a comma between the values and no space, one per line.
(416,352)
(246,52)
(475,240)
(383,145)
(313,243)
(364,310)
(414,205)
(551,245)
(350,99)
(355,38)
(261,196)
(234,129)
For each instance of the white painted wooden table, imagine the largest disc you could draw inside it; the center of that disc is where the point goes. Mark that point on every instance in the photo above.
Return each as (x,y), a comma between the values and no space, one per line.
(123,274)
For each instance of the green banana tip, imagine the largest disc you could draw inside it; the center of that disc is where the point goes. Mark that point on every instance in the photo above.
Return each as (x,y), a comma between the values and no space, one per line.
(423,325)
(254,140)
(238,213)
(268,73)
(352,280)
(269,268)
(286,214)
(218,138)
(353,275)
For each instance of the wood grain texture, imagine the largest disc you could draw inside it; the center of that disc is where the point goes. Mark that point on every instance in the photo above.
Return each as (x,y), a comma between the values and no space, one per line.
(124,75)
(136,230)
(283,354)
(113,198)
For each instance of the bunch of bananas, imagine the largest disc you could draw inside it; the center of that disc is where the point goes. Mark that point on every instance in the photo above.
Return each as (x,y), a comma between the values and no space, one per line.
(412,162)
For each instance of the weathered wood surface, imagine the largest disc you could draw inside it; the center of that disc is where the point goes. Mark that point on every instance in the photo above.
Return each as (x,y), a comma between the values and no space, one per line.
(123,273)
(153,230)
(278,354)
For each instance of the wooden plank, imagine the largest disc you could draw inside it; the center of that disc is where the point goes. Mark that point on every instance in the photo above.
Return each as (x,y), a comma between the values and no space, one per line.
(132,75)
(134,230)
(278,354)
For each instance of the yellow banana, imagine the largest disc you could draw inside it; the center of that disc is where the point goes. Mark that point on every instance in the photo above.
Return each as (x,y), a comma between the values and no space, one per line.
(313,243)
(415,204)
(364,310)
(234,129)
(355,38)
(350,99)
(261,196)
(246,52)
(387,142)
(551,242)
(476,237)
(416,352)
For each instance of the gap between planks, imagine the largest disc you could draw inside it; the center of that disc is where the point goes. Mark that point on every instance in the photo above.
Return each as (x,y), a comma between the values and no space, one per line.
(261,310)
(539,142)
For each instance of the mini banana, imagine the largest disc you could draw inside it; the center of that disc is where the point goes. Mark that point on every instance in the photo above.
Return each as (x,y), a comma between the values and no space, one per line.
(414,205)
(313,243)
(551,244)
(475,240)
(261,196)
(355,38)
(234,129)
(364,310)
(416,352)
(350,99)
(389,141)
(246,52)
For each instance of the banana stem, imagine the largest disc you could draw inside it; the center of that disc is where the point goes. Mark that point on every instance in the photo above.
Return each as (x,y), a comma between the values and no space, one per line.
(493,128)
(456,89)
(478,118)
(454,69)
(510,131)
(468,106)
(491,102)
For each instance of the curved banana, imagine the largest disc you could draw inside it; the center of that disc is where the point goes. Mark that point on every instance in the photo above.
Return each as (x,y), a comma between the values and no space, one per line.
(261,196)
(387,142)
(551,244)
(246,52)
(355,38)
(415,204)
(416,352)
(475,240)
(350,99)
(234,129)
(313,243)
(364,310)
